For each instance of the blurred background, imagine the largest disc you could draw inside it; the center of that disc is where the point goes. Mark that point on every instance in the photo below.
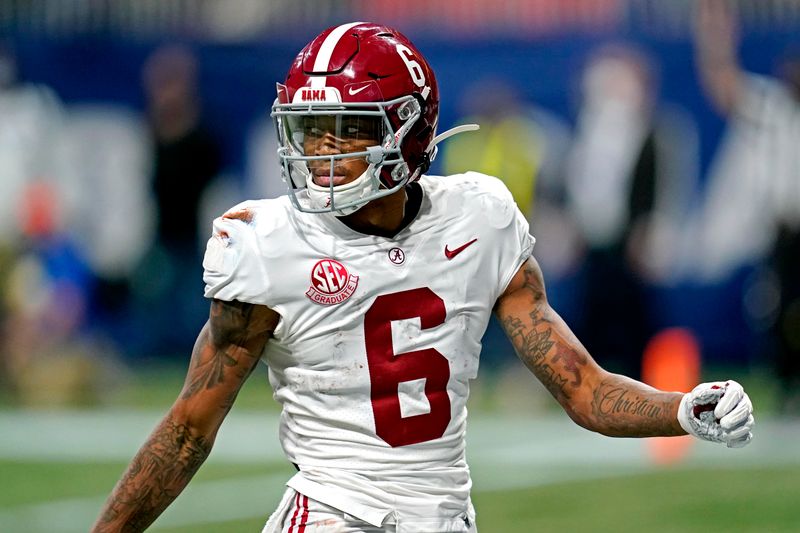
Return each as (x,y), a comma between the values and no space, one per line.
(654,146)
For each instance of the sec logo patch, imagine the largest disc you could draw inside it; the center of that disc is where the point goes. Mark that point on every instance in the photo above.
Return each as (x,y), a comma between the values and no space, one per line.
(331,283)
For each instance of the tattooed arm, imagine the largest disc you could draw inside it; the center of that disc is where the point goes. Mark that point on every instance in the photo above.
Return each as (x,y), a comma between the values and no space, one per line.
(226,352)
(608,403)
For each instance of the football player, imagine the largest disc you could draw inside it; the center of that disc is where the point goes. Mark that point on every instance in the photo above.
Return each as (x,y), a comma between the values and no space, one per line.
(366,290)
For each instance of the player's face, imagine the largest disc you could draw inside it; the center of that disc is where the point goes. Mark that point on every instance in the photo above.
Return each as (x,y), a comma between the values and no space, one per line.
(337,134)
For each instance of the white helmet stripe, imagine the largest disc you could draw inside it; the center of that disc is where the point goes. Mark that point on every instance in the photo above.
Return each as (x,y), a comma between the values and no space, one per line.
(326,51)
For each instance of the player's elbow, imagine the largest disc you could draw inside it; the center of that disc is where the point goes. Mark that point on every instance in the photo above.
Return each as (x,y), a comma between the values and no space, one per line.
(587,421)
(576,408)
(580,416)
(580,409)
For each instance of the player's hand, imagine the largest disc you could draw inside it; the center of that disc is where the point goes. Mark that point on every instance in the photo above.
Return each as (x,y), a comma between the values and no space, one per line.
(718,412)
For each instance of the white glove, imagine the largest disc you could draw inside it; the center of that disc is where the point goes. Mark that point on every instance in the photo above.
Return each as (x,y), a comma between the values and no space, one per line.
(719,412)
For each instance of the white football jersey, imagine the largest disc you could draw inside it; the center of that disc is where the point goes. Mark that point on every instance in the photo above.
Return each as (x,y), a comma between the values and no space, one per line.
(377,341)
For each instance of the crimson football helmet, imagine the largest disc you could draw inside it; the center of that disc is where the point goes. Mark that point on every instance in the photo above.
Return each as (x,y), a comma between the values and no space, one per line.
(359,81)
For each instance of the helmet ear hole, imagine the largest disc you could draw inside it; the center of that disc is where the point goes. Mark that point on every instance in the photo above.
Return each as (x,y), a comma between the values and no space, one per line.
(407,110)
(399,172)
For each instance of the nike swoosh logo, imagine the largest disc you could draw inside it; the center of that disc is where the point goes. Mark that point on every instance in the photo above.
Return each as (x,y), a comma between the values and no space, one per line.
(352,92)
(449,254)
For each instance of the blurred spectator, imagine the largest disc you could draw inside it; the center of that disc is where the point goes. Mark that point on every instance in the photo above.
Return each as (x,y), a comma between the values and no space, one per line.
(31,117)
(50,356)
(105,176)
(630,173)
(104,188)
(187,157)
(168,286)
(525,146)
(753,208)
(92,158)
(509,145)
(45,285)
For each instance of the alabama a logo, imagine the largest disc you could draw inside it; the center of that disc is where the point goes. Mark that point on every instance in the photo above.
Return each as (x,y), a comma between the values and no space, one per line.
(331,283)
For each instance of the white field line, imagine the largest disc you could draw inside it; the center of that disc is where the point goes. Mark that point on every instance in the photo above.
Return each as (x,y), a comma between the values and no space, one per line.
(504,452)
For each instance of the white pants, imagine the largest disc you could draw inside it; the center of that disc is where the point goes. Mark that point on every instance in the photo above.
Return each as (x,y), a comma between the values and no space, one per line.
(300,514)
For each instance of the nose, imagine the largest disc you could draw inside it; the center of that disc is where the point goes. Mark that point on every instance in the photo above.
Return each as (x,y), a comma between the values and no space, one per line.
(327,145)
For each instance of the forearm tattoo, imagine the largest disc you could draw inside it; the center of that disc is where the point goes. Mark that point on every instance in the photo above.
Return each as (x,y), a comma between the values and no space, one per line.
(157,474)
(612,400)
(625,407)
(608,403)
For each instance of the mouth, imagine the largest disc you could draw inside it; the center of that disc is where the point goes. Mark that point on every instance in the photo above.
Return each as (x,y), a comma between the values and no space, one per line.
(322,177)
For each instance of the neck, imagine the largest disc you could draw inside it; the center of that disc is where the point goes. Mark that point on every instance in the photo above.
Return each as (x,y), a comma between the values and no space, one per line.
(383,217)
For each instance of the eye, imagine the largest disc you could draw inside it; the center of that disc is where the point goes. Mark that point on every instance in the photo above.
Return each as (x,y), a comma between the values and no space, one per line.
(313,131)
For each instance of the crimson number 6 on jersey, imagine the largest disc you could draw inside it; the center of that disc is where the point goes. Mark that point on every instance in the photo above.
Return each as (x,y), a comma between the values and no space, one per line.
(388,369)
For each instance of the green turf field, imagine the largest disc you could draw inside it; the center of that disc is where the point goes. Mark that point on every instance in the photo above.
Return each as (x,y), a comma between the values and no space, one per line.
(700,500)
(533,472)
(748,499)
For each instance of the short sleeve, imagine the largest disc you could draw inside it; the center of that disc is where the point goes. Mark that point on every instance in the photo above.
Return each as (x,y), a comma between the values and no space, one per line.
(509,228)
(233,268)
(520,246)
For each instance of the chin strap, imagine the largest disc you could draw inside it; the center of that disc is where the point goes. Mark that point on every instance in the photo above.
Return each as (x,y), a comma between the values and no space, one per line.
(452,131)
(432,149)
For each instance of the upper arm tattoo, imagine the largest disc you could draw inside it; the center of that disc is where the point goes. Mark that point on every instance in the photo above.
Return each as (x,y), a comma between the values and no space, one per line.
(206,373)
(571,361)
(535,331)
(228,347)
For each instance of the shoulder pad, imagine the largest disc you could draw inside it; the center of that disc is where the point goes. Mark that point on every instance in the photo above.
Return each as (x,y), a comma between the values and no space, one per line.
(493,197)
